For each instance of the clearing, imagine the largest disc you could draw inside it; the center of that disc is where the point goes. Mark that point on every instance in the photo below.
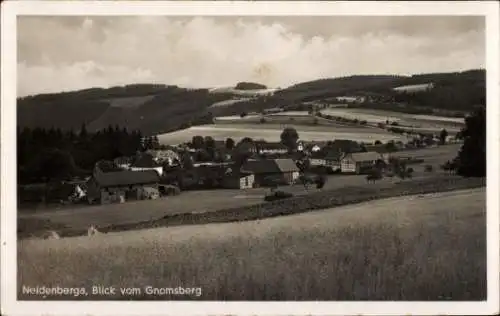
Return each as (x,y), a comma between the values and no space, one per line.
(430,247)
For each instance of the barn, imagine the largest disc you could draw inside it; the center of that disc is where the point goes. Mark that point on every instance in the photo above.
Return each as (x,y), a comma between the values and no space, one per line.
(270,172)
(119,186)
(356,162)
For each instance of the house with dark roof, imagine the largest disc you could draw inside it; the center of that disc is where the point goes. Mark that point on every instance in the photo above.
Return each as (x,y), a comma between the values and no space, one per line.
(357,162)
(119,186)
(272,171)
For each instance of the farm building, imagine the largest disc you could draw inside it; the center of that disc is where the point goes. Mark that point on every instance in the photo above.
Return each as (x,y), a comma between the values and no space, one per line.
(237,179)
(146,162)
(356,162)
(329,158)
(272,171)
(265,148)
(119,186)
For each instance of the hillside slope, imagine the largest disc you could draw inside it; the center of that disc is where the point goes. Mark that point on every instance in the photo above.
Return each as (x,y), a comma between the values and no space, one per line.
(161,108)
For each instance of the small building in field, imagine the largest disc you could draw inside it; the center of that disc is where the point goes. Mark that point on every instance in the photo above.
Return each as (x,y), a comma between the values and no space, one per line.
(357,162)
(270,172)
(120,186)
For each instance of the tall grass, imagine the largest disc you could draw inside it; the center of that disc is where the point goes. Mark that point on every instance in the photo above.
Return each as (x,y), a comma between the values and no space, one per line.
(397,249)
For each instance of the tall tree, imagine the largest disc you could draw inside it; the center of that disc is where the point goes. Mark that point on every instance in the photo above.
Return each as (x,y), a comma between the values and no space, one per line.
(471,159)
(230,143)
(442,136)
(198,142)
(289,137)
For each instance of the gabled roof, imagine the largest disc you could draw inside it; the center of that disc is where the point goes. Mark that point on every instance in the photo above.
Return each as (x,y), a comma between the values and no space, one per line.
(270,166)
(126,177)
(365,156)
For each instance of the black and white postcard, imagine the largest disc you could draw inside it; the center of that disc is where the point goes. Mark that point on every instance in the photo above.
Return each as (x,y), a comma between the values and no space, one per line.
(250,157)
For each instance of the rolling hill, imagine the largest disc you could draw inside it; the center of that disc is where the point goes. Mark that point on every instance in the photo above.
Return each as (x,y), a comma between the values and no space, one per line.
(154,108)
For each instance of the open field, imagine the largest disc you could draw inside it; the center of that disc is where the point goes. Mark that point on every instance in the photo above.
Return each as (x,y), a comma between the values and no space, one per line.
(430,247)
(272,132)
(428,122)
(290,113)
(81,217)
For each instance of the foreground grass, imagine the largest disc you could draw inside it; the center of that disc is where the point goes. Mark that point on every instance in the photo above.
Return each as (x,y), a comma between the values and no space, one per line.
(408,248)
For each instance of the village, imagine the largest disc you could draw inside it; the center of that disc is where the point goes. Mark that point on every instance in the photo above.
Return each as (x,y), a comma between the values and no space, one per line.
(208,164)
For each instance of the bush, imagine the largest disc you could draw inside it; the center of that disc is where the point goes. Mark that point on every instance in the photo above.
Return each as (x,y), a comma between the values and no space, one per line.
(428,168)
(277,195)
(169,190)
(262,120)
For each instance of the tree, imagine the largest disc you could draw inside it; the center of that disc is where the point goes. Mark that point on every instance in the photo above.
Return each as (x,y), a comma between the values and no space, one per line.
(187,161)
(198,142)
(471,159)
(320,181)
(243,114)
(378,142)
(262,120)
(53,164)
(230,143)
(209,142)
(83,132)
(391,146)
(246,140)
(155,142)
(374,175)
(442,136)
(289,137)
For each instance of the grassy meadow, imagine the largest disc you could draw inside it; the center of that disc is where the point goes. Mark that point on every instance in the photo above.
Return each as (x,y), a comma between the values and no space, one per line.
(430,247)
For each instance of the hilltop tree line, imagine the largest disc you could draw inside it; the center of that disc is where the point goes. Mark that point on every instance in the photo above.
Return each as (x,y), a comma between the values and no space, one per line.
(45,155)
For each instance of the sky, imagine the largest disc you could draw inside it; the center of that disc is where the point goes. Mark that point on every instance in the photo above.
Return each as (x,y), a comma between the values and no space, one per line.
(62,53)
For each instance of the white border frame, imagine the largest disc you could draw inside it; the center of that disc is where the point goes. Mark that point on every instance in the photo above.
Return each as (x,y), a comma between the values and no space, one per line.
(11,9)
